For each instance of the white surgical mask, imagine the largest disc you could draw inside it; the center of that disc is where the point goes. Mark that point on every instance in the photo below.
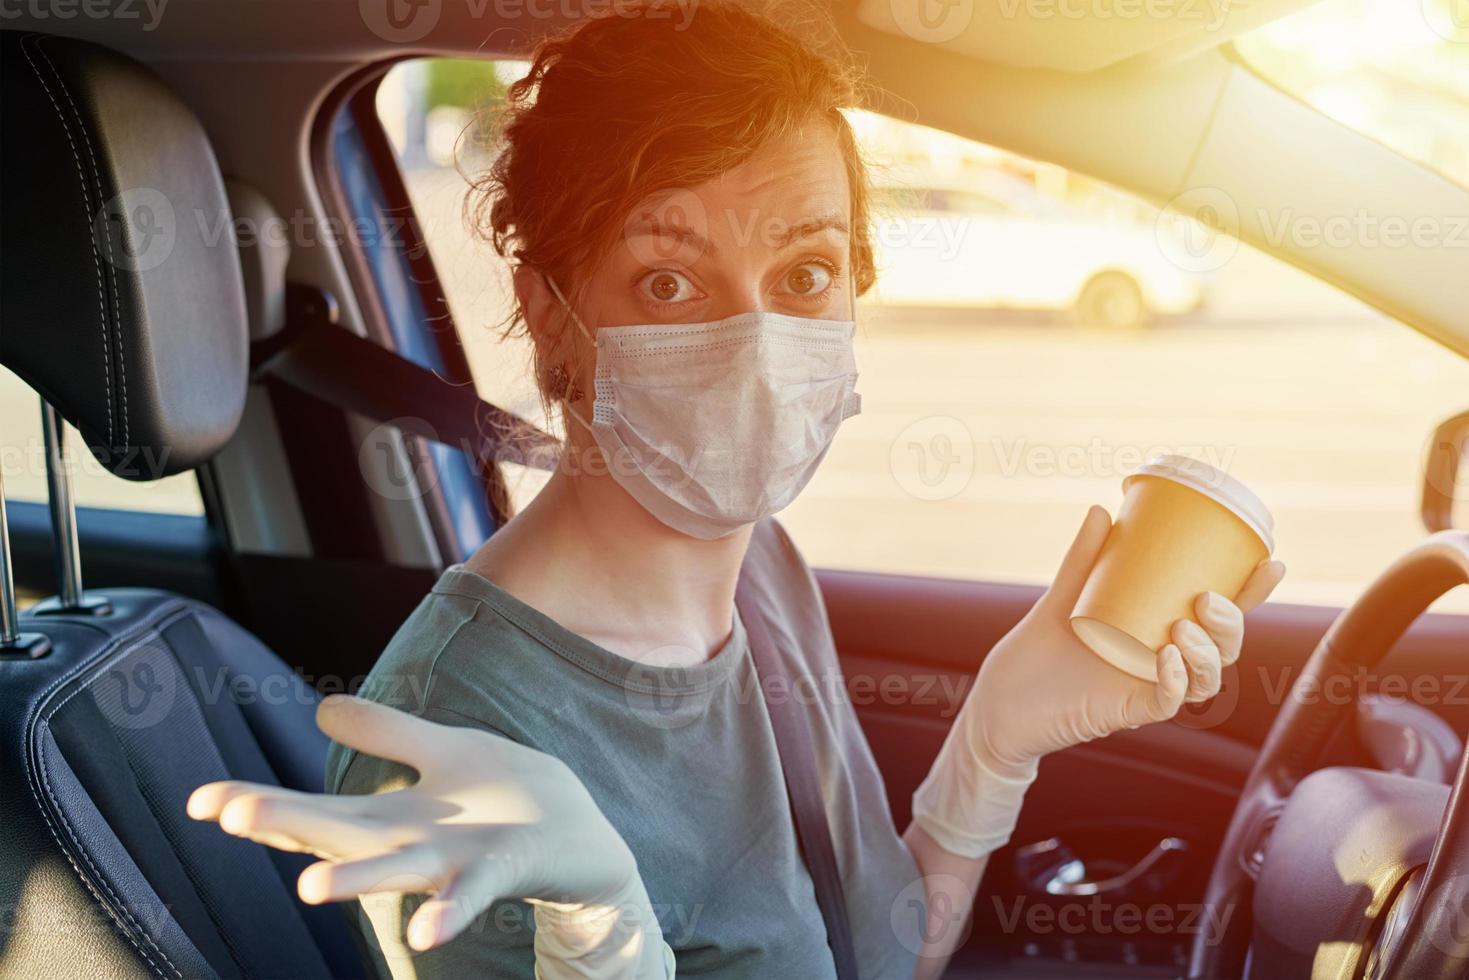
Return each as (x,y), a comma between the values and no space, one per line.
(714,426)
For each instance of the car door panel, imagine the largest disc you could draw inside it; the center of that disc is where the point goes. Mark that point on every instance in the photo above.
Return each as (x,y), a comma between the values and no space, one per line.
(909,648)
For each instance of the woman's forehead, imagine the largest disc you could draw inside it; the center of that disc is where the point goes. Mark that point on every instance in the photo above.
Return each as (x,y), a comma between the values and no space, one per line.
(789,192)
(810,158)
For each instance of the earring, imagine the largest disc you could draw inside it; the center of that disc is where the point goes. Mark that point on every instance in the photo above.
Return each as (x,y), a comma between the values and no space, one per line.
(557,381)
(560,386)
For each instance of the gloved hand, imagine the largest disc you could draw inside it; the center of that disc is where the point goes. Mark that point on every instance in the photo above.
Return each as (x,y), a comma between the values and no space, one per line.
(1041,689)
(488,819)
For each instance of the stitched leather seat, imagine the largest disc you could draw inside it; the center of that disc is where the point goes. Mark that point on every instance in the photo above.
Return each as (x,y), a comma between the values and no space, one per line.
(104,739)
(102,874)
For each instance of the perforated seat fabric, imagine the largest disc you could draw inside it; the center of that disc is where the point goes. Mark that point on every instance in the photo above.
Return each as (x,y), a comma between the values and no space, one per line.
(102,873)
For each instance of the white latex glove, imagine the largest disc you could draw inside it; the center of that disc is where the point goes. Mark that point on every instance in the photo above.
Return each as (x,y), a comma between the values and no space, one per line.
(1041,689)
(488,819)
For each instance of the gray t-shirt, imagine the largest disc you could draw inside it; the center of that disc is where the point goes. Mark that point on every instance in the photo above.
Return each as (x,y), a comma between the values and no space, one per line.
(681,761)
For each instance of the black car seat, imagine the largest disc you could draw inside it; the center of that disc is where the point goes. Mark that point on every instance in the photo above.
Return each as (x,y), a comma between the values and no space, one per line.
(122,305)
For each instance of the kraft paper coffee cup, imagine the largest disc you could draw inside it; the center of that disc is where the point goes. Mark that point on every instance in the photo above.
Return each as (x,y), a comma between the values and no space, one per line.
(1185,528)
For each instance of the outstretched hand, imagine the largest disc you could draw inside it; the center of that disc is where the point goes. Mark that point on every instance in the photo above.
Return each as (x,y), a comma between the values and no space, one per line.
(487,819)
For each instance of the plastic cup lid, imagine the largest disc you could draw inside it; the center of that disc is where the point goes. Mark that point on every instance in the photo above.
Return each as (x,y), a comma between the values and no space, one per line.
(1218,486)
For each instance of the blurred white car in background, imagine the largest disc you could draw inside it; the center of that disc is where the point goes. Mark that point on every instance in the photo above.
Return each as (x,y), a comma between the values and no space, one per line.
(1000,244)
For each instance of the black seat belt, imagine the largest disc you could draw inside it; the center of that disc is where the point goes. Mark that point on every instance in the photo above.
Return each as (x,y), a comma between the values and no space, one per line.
(329,362)
(335,365)
(803,783)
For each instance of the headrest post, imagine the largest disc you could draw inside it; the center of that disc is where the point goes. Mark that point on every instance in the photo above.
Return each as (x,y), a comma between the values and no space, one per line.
(63,508)
(13,643)
(9,618)
(70,597)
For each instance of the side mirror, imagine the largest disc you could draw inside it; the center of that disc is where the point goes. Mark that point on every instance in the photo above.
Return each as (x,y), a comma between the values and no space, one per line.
(1446,474)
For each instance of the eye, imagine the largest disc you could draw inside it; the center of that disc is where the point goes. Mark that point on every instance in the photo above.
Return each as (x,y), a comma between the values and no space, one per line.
(809,279)
(667,286)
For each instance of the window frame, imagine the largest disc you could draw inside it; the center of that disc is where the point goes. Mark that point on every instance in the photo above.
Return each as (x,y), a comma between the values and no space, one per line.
(396,285)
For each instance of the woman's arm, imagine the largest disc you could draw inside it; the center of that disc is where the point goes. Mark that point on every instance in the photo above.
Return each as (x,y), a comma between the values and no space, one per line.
(488,819)
(1041,690)
(950,884)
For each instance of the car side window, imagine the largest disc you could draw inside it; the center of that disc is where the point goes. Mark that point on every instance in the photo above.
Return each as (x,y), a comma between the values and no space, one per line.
(1033,336)
(24,464)
(434,112)
(969,202)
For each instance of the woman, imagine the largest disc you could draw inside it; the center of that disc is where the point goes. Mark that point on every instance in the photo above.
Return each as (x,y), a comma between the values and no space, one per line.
(599,792)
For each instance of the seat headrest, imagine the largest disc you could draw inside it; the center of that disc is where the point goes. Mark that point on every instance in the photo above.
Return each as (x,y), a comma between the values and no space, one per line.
(120,294)
(263,258)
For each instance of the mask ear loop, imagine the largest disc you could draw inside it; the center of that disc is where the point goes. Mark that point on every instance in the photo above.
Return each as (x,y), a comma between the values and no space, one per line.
(566,404)
(555,289)
(853,404)
(851,289)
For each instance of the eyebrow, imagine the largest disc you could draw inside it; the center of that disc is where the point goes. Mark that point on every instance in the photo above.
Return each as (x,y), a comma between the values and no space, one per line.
(684,235)
(810,228)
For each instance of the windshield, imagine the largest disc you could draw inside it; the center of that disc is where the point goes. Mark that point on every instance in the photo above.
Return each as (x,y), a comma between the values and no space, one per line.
(1396,70)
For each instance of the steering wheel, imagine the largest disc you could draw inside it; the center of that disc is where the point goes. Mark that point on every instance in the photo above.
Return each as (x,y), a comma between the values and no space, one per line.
(1320,870)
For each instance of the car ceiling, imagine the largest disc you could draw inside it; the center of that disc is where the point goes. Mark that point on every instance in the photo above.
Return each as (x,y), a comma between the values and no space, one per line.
(1062,35)
(1074,35)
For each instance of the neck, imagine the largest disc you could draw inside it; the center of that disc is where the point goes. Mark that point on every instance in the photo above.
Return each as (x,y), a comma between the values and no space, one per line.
(590,557)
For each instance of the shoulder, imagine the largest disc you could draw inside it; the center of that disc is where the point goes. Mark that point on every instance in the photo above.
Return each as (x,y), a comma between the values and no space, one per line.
(786,591)
(445,664)
(452,635)
(774,557)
